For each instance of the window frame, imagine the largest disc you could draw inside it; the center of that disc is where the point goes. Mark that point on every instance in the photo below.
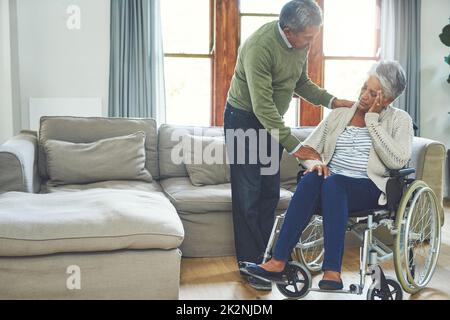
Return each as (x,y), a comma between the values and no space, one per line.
(225,26)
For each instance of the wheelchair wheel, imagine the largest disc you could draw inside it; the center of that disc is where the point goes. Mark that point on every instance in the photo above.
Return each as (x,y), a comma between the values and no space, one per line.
(395,291)
(309,250)
(298,283)
(418,238)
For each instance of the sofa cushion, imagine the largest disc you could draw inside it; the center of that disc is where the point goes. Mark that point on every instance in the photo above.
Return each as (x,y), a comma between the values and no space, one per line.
(87,130)
(170,147)
(113,184)
(87,221)
(214,198)
(118,158)
(205,160)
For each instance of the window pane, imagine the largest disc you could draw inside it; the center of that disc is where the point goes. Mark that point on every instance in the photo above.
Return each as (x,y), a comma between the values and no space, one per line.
(349,28)
(188,91)
(180,21)
(290,117)
(344,79)
(262,6)
(251,24)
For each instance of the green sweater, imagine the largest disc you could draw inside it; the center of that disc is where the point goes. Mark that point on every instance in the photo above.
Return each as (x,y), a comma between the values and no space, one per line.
(266,76)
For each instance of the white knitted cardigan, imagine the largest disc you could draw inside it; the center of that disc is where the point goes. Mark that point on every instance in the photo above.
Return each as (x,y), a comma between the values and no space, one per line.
(391,132)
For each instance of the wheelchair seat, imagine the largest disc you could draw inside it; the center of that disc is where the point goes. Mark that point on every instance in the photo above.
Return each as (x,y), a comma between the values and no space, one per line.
(395,188)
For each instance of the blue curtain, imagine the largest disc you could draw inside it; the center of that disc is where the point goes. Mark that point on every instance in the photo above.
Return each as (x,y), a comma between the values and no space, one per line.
(136,81)
(400,40)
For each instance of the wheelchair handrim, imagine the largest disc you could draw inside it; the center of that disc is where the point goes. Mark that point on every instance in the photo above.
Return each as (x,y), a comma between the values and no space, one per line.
(431,259)
(401,254)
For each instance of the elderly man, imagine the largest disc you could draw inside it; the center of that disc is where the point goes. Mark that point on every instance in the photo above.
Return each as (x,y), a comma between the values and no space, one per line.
(271,67)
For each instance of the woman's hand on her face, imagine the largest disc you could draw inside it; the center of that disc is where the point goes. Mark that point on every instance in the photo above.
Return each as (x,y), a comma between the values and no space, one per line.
(377,105)
(321,169)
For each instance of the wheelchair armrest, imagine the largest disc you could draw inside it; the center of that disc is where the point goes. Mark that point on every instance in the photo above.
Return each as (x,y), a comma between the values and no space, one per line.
(396,185)
(401,172)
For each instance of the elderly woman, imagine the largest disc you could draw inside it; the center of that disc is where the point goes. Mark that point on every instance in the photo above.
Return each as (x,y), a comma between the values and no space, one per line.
(354,148)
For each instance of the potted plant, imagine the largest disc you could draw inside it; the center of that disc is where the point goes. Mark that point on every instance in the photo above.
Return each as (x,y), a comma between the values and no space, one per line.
(445,38)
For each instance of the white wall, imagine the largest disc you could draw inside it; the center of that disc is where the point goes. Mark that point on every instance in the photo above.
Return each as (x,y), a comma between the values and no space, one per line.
(435,91)
(55,62)
(6,111)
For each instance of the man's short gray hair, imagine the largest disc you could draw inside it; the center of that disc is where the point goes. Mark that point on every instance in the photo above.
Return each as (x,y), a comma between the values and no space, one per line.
(391,76)
(297,15)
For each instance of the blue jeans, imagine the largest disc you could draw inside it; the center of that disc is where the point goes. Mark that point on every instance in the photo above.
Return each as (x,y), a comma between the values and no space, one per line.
(336,196)
(254,196)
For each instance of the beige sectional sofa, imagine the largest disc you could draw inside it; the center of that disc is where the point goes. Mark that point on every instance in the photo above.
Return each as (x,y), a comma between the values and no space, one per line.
(126,237)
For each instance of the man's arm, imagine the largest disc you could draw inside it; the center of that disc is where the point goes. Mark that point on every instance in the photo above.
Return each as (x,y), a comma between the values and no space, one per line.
(312,93)
(258,65)
(310,152)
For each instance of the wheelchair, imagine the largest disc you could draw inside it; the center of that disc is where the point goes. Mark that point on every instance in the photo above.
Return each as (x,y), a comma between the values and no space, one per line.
(412,216)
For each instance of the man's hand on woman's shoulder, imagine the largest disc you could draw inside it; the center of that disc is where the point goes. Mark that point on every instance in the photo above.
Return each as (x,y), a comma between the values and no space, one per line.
(339,103)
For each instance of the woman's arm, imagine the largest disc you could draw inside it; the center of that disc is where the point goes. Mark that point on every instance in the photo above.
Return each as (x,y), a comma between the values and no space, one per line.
(394,150)
(315,141)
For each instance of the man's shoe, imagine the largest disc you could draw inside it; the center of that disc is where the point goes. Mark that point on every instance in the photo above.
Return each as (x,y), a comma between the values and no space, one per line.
(259,284)
(256,271)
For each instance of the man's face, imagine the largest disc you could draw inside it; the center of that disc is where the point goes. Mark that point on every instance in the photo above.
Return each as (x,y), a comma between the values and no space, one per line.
(304,39)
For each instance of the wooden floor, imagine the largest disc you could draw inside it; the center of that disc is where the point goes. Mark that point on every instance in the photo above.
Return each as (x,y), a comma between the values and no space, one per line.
(218,278)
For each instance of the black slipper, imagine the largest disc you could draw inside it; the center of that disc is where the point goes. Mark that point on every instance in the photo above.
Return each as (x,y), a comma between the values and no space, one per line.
(330,285)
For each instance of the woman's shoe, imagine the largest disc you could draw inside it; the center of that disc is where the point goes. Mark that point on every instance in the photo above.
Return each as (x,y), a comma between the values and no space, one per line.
(331,285)
(256,271)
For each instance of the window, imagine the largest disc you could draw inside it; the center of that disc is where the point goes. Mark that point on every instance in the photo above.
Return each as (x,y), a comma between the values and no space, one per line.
(187,61)
(347,59)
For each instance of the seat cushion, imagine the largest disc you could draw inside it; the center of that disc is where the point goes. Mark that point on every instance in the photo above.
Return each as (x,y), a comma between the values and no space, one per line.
(84,221)
(113,184)
(212,198)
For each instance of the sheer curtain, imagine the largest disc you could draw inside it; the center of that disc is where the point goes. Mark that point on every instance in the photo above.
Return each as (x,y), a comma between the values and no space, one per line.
(136,81)
(400,40)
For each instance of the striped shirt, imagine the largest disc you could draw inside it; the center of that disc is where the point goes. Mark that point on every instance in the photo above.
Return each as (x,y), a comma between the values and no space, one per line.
(351,154)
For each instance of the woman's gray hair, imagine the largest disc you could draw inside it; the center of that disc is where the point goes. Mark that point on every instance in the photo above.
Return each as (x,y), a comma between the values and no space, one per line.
(297,15)
(391,76)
